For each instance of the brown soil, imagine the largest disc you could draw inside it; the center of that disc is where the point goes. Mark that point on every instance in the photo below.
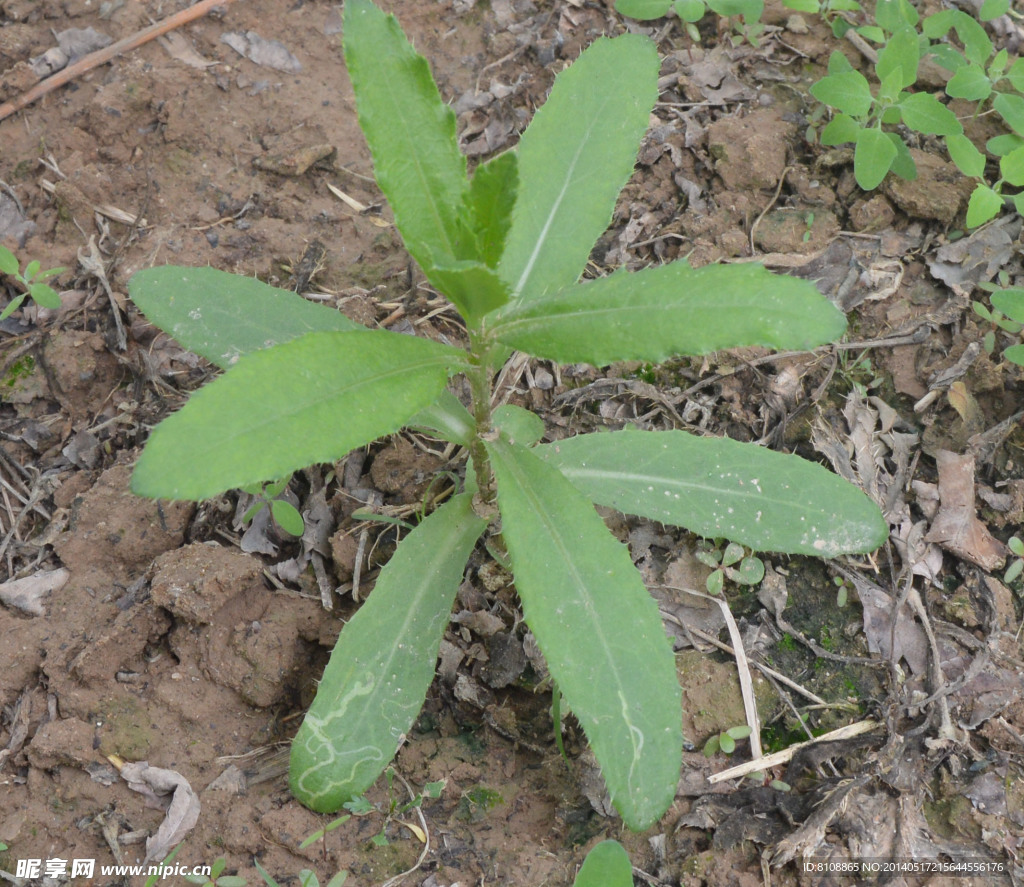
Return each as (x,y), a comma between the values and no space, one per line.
(174,640)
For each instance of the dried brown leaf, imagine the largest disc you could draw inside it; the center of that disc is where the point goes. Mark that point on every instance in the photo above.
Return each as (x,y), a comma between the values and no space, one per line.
(956,527)
(907,642)
(182,813)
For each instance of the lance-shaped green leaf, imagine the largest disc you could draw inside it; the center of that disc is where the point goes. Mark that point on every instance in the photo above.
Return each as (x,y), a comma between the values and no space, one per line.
(447,418)
(472,287)
(903,164)
(1011,168)
(1004,144)
(518,425)
(45,296)
(411,134)
(691,11)
(492,197)
(382,665)
(8,261)
(578,587)
(222,316)
(1011,109)
(574,159)
(1016,75)
(667,310)
(278,410)
(750,9)
(977,45)
(720,488)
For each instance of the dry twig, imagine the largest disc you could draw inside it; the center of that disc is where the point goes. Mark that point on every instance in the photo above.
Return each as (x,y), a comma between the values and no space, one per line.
(782,757)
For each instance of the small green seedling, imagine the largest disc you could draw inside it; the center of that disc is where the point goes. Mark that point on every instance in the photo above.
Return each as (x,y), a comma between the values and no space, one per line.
(866,115)
(477,802)
(1013,572)
(607,865)
(843,587)
(305,385)
(725,742)
(305,878)
(285,515)
(733,564)
(152,880)
(1007,314)
(31,280)
(809,220)
(747,13)
(360,806)
(216,879)
(831,10)
(860,112)
(321,833)
(984,75)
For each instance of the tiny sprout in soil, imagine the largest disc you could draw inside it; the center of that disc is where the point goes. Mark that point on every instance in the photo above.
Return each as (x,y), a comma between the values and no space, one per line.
(725,742)
(883,118)
(29,281)
(216,879)
(733,564)
(1006,315)
(305,385)
(1016,568)
(305,877)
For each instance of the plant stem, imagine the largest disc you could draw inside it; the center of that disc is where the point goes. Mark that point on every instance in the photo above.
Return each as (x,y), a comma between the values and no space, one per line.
(480,390)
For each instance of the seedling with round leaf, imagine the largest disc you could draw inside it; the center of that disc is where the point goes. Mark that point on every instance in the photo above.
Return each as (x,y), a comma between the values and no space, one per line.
(1016,568)
(1009,303)
(725,741)
(508,245)
(733,564)
(30,281)
(843,588)
(305,877)
(745,14)
(267,495)
(863,114)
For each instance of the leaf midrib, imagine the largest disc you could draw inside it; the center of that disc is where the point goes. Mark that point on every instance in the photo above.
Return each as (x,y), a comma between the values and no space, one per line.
(229,439)
(662,481)
(564,551)
(517,290)
(543,321)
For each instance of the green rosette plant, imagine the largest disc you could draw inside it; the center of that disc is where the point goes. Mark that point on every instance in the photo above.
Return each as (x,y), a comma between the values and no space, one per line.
(302,384)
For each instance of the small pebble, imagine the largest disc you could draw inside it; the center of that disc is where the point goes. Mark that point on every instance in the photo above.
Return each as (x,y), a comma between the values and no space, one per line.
(796,24)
